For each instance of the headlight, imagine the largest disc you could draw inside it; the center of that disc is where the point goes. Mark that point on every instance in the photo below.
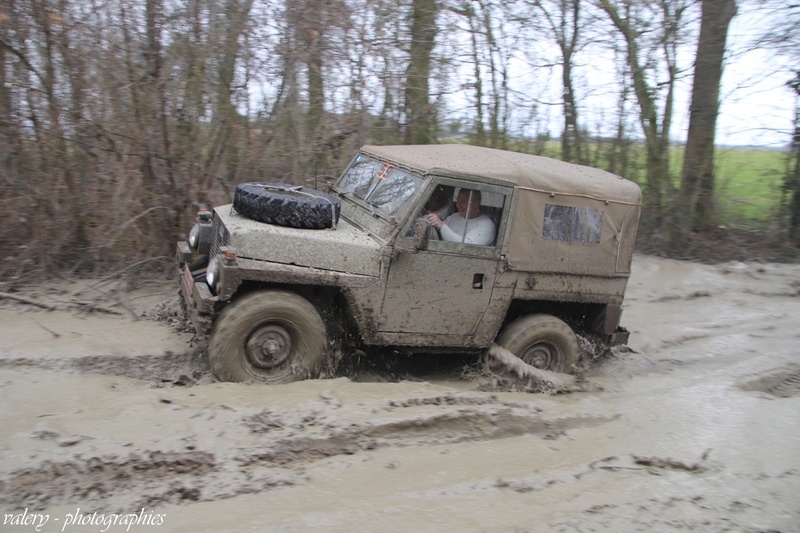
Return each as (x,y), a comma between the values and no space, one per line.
(194,236)
(212,272)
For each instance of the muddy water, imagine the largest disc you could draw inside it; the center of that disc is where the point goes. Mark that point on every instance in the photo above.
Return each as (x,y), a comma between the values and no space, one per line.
(696,428)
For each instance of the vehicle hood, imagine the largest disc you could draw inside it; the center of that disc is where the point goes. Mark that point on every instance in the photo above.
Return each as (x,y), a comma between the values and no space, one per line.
(344,249)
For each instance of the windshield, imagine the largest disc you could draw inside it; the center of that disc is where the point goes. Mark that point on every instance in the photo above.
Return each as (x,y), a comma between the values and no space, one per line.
(380,184)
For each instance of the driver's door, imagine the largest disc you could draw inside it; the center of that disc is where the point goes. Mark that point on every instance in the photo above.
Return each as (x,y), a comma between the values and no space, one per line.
(436,293)
(445,289)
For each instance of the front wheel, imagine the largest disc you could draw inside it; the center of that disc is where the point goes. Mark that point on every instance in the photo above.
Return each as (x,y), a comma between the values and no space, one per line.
(269,336)
(542,341)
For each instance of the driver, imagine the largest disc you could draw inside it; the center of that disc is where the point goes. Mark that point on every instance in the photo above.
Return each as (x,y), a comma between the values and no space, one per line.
(467,225)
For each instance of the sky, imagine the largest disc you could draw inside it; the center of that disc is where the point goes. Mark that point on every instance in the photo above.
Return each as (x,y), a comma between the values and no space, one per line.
(756,106)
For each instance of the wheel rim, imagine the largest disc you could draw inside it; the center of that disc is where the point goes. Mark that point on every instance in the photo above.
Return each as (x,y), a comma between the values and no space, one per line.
(269,346)
(541,355)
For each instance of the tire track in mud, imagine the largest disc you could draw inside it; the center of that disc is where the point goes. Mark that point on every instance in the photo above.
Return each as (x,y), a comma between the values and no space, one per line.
(288,442)
(782,383)
(170,368)
(100,477)
(694,510)
(440,420)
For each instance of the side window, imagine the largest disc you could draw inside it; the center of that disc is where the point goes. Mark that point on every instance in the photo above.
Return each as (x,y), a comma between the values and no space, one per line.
(440,202)
(469,216)
(572,224)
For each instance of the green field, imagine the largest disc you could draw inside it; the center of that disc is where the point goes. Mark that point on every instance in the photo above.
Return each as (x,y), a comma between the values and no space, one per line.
(748,181)
(749,184)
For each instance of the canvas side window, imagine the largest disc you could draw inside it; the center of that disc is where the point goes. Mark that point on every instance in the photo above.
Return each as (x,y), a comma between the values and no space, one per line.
(572,224)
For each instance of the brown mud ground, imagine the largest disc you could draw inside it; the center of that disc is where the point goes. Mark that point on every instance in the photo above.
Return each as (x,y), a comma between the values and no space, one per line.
(696,427)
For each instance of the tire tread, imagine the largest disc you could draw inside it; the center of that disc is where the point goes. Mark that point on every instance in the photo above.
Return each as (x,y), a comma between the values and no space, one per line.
(311,211)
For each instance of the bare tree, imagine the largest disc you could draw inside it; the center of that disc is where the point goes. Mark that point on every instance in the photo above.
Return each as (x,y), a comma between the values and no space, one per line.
(388,31)
(791,185)
(565,24)
(695,201)
(634,22)
(783,38)
(119,118)
(618,155)
(498,75)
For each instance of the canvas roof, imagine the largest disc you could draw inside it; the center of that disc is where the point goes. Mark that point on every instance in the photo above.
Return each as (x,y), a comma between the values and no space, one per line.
(523,170)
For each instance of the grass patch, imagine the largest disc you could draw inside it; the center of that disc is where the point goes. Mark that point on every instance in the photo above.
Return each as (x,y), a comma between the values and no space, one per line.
(749,183)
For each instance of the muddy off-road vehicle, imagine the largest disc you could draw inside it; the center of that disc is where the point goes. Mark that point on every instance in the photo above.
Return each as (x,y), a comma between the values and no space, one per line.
(435,248)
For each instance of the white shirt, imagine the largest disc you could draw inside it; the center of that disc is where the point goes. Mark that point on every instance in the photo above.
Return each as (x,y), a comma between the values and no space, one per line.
(480,230)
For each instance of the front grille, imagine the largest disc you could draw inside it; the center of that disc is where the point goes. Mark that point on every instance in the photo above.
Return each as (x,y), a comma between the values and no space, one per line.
(219,236)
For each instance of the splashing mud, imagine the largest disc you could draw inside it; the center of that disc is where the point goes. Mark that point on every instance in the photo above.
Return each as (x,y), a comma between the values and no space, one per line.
(532,377)
(692,427)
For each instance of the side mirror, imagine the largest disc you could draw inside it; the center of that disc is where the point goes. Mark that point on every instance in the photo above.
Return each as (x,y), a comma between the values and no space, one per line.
(421,234)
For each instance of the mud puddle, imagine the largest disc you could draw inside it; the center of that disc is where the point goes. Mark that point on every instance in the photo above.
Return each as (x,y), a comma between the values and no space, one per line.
(694,427)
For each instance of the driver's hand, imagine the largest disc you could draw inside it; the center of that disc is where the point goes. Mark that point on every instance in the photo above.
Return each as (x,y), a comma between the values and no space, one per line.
(435,221)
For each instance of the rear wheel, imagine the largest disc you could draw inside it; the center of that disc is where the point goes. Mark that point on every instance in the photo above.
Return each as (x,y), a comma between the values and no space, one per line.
(268,336)
(542,341)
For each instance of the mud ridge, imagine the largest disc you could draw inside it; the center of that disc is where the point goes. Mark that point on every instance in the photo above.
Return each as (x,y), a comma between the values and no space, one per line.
(170,368)
(85,479)
(673,297)
(782,383)
(182,368)
(418,429)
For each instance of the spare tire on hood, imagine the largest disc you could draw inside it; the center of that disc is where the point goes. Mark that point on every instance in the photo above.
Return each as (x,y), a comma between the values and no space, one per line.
(287,205)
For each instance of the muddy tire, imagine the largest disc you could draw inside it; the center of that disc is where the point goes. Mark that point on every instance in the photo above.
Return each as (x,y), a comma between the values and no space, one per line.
(269,336)
(542,341)
(286,205)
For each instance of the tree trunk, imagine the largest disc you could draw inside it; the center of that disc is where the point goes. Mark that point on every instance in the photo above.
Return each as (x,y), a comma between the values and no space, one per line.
(7,130)
(563,19)
(619,150)
(60,153)
(648,116)
(420,116)
(569,25)
(480,128)
(696,196)
(314,23)
(791,185)
(656,132)
(315,20)
(496,123)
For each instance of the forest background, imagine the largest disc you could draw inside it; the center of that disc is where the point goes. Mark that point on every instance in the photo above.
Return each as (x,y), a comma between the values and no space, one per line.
(120,118)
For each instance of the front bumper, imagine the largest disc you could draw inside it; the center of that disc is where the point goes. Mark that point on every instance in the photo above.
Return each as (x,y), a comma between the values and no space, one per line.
(200,303)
